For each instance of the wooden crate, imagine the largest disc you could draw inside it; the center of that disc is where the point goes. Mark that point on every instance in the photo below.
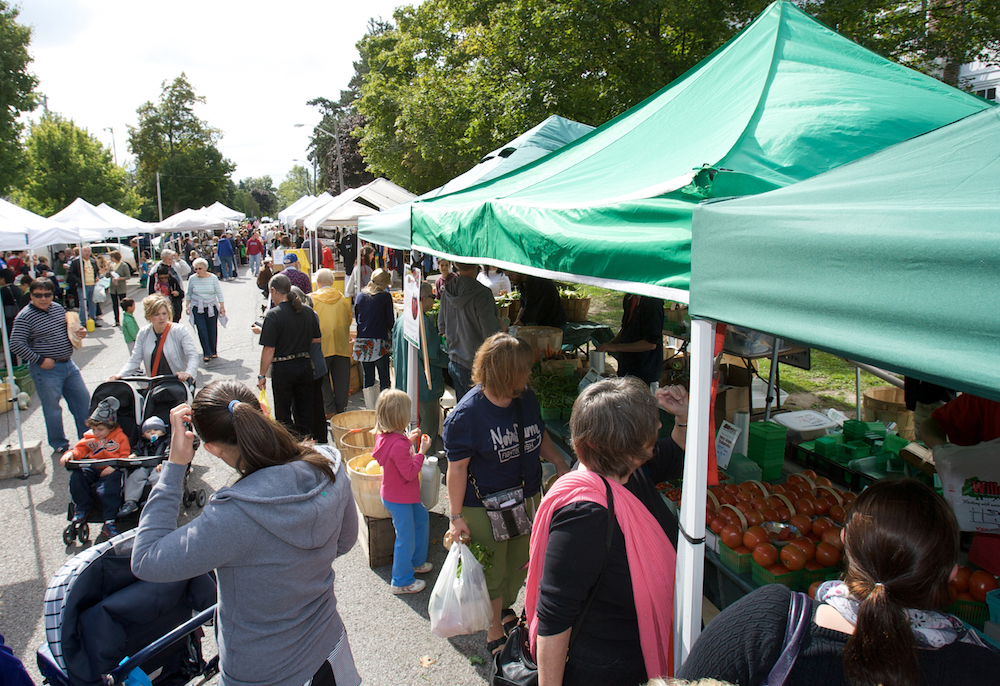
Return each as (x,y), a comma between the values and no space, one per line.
(377,537)
(10,460)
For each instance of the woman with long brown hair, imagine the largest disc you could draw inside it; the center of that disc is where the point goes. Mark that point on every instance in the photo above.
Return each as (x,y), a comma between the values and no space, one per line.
(271,537)
(882,624)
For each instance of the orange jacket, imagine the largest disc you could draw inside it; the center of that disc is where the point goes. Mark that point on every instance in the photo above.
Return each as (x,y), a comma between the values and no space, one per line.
(115,446)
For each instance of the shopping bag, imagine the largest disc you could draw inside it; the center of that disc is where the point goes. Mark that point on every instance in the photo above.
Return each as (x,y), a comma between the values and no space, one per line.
(100,291)
(262,399)
(970,481)
(460,602)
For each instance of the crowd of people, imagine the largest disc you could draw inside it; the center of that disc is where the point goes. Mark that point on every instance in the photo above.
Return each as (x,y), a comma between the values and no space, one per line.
(595,557)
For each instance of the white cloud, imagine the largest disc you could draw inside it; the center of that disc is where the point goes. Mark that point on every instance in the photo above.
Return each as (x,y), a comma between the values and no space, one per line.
(256,62)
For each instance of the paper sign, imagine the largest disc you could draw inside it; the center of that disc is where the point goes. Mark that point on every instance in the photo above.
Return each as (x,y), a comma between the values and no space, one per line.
(725,440)
(411,307)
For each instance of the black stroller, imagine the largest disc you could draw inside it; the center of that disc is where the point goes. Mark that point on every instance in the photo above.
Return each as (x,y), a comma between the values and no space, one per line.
(104,626)
(139,398)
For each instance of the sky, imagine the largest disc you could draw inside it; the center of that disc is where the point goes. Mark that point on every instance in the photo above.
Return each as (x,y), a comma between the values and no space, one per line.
(256,62)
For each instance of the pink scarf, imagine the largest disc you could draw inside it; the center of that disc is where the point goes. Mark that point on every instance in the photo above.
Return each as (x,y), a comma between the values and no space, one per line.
(650,555)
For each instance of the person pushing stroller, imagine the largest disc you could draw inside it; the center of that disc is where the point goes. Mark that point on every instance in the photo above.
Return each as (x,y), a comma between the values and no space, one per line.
(153,443)
(104,441)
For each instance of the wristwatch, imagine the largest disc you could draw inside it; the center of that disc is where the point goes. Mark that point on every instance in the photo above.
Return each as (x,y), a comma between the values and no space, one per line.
(261,376)
(453,517)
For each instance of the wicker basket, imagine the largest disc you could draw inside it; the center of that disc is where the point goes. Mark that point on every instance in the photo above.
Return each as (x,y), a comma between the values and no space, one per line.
(365,488)
(347,421)
(577,309)
(886,404)
(356,442)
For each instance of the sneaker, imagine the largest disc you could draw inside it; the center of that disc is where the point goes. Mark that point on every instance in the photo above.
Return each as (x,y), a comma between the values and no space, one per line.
(416,587)
(109,530)
(128,508)
(79,516)
(424,568)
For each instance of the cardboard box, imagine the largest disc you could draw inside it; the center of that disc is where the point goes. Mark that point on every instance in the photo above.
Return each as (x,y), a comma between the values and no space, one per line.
(733,393)
(10,460)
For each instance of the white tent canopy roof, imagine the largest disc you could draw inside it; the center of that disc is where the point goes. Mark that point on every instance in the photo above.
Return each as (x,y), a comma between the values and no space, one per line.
(294,207)
(217,209)
(123,220)
(292,217)
(190,220)
(348,213)
(31,231)
(83,218)
(381,193)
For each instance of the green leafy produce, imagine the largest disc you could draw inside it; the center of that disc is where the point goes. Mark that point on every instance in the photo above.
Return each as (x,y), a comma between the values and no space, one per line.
(483,555)
(554,390)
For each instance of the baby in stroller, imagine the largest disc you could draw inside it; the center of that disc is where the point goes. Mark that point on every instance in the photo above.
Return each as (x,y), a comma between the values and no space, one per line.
(104,441)
(154,443)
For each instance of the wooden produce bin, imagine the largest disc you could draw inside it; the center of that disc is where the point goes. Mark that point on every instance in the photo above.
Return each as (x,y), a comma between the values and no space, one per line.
(377,538)
(10,460)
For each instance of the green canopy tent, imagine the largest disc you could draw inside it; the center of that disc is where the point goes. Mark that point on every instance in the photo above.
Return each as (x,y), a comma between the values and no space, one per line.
(892,259)
(391,228)
(784,100)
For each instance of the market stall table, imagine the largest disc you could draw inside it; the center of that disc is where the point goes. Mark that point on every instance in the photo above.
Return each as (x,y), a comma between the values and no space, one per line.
(579,334)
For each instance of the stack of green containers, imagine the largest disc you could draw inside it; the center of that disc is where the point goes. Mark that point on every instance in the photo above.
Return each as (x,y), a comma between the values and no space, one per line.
(767,448)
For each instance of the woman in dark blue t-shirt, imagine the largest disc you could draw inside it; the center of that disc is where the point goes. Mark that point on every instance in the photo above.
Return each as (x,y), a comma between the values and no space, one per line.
(484,456)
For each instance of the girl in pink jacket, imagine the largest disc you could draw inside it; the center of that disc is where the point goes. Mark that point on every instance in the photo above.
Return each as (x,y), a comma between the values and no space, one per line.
(400,489)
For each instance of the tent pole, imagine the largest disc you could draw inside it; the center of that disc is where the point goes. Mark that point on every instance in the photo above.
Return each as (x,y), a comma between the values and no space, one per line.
(689,576)
(857,392)
(10,389)
(770,380)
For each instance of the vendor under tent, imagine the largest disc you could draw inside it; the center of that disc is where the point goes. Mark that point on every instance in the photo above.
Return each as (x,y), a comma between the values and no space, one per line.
(294,207)
(391,228)
(784,100)
(189,220)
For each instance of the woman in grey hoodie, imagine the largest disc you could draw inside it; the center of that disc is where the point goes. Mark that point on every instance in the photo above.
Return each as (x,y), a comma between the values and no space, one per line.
(271,538)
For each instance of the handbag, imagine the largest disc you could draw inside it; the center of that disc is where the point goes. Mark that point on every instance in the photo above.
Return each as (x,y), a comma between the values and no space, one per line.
(507,509)
(513,665)
(796,627)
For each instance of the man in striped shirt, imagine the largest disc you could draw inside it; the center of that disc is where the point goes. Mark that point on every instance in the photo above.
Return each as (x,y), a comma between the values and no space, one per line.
(39,336)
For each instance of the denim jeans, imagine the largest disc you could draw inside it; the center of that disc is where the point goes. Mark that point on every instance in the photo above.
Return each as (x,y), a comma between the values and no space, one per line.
(109,490)
(254,263)
(91,305)
(412,526)
(207,323)
(368,371)
(461,379)
(63,380)
(228,267)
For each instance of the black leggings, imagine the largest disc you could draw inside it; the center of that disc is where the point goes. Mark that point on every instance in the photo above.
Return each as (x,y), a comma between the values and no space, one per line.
(115,301)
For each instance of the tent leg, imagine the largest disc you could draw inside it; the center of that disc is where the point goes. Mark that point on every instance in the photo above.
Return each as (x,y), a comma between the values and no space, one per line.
(857,393)
(770,380)
(17,410)
(689,578)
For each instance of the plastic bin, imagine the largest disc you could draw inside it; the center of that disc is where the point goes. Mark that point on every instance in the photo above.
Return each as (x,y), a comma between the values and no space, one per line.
(971,611)
(993,603)
(762,577)
(810,577)
(807,424)
(738,563)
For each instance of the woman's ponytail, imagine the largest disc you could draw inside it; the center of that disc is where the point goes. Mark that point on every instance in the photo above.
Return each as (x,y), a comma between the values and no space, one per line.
(881,651)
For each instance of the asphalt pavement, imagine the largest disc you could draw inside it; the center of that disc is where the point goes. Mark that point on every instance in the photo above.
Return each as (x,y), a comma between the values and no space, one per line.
(389,635)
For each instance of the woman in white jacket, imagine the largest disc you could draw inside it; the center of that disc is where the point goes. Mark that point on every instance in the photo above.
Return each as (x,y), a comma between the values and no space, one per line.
(179,356)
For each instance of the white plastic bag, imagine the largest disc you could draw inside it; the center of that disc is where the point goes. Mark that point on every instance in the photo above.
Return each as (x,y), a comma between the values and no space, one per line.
(460,604)
(101,290)
(970,480)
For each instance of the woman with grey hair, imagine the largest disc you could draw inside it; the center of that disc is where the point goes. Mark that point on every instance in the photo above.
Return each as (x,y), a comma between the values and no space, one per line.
(204,295)
(179,270)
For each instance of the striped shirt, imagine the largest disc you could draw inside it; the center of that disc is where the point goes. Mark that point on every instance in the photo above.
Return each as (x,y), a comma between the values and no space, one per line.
(206,288)
(38,334)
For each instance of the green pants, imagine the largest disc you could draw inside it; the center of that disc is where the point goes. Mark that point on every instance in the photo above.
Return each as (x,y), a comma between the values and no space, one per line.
(508,564)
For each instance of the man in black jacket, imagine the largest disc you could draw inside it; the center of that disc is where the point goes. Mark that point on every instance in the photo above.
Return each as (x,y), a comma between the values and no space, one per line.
(82,276)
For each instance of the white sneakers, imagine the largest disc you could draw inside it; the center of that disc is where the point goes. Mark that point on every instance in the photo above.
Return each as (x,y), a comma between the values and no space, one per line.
(424,568)
(416,587)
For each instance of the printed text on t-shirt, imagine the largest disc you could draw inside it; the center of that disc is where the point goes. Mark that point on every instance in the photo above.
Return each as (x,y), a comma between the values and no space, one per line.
(506,443)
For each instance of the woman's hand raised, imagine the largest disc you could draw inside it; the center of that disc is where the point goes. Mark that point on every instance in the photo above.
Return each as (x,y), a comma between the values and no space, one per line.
(181,435)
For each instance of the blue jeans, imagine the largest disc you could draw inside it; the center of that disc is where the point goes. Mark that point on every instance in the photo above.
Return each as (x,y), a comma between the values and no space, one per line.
(109,490)
(368,371)
(461,379)
(412,526)
(228,267)
(207,323)
(62,381)
(254,263)
(91,305)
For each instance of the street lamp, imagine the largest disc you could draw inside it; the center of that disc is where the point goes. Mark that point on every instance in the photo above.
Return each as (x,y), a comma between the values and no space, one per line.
(114,149)
(314,172)
(336,140)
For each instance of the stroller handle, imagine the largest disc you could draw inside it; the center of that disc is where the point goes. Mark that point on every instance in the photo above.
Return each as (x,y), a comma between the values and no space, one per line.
(153,379)
(117,462)
(120,673)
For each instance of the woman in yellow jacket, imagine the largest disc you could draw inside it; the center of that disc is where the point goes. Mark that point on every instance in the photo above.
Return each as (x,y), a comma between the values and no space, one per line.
(335,314)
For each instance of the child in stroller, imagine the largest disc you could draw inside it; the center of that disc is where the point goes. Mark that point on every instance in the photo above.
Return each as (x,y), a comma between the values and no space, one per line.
(104,441)
(154,443)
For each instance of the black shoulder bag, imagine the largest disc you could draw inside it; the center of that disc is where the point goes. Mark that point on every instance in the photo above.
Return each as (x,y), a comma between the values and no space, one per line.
(513,665)
(507,509)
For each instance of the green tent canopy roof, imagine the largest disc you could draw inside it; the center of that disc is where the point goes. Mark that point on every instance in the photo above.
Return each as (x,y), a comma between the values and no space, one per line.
(392,227)
(892,260)
(784,100)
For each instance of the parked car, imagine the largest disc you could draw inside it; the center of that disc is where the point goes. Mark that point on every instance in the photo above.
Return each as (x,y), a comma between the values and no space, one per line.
(128,256)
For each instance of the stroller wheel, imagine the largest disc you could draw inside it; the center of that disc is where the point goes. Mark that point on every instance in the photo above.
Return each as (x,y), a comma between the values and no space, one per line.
(83,533)
(189,498)
(202,497)
(69,533)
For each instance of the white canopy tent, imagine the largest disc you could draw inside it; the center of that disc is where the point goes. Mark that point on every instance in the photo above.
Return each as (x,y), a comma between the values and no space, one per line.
(294,207)
(82,217)
(305,208)
(121,219)
(217,209)
(189,220)
(36,231)
(381,193)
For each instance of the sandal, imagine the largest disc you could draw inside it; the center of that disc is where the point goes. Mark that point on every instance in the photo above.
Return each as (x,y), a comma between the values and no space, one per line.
(205,359)
(508,620)
(494,647)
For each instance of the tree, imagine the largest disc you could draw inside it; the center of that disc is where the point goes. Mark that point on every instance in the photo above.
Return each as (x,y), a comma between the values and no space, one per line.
(16,92)
(263,192)
(172,140)
(64,162)
(245,203)
(297,183)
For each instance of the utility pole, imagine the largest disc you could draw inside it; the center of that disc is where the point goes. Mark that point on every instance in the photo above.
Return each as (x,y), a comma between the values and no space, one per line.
(159,198)
(340,164)
(114,149)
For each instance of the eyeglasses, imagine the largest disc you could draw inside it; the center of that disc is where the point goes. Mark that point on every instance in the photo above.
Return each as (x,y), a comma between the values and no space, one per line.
(41,294)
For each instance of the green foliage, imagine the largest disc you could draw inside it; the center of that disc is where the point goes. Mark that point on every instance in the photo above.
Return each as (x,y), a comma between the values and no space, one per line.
(64,162)
(264,194)
(171,140)
(297,183)
(16,92)
(244,202)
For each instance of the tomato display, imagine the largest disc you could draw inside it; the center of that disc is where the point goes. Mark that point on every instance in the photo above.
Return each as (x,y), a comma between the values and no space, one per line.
(961,580)
(732,536)
(807,547)
(827,555)
(981,583)
(766,555)
(755,536)
(802,523)
(792,558)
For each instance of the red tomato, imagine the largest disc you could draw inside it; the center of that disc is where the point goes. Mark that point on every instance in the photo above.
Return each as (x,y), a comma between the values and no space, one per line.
(805,507)
(813,566)
(821,524)
(744,507)
(838,514)
(754,518)
(741,550)
(731,536)
(952,592)
(766,555)
(805,545)
(717,525)
(961,580)
(794,479)
(758,503)
(965,596)
(810,473)
(727,499)
(981,583)
(822,505)
(783,514)
(802,523)
(778,570)
(709,513)
(792,558)
(770,515)
(827,555)
(731,489)
(849,498)
(744,496)
(832,537)
(776,488)
(813,587)
(822,481)
(754,536)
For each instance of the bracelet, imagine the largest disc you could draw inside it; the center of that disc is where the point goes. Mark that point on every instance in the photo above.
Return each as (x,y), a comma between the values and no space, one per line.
(453,517)
(679,424)
(261,376)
